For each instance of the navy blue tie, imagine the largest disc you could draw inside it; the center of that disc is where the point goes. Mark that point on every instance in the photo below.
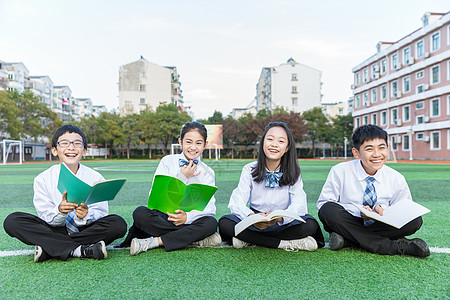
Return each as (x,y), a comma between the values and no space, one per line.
(183,162)
(273,179)
(370,196)
(70,223)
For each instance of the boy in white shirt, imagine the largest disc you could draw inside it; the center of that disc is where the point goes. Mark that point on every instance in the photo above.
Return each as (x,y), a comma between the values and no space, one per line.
(367,181)
(66,229)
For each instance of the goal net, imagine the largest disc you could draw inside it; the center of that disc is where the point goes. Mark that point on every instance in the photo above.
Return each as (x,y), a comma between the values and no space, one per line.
(11,152)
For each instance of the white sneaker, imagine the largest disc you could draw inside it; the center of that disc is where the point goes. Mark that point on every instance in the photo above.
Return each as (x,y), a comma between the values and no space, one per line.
(213,240)
(307,244)
(140,245)
(238,244)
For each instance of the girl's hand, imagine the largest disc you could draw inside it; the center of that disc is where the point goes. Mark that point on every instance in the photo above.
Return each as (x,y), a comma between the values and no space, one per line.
(189,170)
(66,207)
(178,218)
(81,211)
(264,225)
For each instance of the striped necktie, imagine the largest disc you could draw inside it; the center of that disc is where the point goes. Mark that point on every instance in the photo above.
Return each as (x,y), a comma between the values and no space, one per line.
(70,223)
(370,196)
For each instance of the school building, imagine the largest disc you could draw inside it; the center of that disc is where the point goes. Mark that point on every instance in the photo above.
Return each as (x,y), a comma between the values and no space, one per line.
(405,89)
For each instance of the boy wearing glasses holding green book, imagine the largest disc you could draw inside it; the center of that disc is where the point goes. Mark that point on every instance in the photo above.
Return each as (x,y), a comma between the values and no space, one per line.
(63,229)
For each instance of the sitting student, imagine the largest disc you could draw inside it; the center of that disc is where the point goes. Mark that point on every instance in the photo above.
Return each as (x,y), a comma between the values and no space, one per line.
(66,229)
(272,182)
(367,181)
(153,228)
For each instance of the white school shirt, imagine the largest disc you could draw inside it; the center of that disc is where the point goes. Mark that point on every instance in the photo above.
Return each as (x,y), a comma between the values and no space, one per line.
(47,197)
(257,196)
(346,184)
(169,165)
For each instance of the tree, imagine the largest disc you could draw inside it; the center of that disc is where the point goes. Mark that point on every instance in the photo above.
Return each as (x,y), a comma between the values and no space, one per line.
(108,125)
(342,128)
(316,126)
(169,122)
(131,131)
(147,124)
(10,125)
(230,131)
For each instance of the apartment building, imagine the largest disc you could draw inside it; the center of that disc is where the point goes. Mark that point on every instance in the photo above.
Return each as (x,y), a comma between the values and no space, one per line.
(3,77)
(17,75)
(98,109)
(144,84)
(291,85)
(42,87)
(405,89)
(332,110)
(62,95)
(85,106)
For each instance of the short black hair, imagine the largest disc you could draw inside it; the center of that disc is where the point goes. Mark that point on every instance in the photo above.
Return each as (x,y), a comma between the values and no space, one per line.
(189,126)
(367,133)
(289,161)
(70,129)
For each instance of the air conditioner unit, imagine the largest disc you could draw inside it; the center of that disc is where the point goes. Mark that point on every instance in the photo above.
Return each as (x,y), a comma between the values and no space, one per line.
(376,75)
(377,67)
(427,119)
(366,103)
(398,122)
(427,54)
(410,61)
(352,86)
(426,138)
(397,139)
(398,66)
(398,95)
(426,87)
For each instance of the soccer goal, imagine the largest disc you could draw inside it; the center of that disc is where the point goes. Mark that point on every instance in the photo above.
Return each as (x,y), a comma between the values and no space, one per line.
(216,151)
(12,152)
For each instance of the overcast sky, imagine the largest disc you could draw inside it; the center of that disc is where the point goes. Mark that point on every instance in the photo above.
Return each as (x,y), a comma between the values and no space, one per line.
(218,47)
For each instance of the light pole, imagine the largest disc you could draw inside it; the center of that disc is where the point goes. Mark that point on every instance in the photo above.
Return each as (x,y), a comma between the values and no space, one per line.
(345,147)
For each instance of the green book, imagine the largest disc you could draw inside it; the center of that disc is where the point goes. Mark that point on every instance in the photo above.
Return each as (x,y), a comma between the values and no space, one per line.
(79,191)
(169,194)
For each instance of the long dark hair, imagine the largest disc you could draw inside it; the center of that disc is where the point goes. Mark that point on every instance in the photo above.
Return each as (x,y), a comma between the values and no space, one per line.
(189,126)
(289,165)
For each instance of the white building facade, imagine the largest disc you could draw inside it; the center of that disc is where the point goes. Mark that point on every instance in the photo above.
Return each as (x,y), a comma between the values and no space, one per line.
(42,87)
(85,105)
(17,75)
(62,95)
(144,84)
(292,85)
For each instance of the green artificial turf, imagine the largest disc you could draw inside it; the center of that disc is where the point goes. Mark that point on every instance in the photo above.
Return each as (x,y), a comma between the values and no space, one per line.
(226,272)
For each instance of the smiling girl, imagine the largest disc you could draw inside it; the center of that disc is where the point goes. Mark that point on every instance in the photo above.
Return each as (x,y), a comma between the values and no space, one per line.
(272,182)
(153,228)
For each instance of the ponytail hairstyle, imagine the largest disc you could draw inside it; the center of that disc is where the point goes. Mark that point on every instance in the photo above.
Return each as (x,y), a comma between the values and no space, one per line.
(289,161)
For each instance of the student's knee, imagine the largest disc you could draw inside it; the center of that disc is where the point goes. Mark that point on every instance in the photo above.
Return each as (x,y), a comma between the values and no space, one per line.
(226,226)
(329,211)
(140,213)
(413,226)
(11,222)
(118,224)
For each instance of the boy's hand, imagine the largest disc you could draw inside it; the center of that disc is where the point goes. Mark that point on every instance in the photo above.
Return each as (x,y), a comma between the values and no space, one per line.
(81,211)
(178,218)
(189,170)
(66,207)
(377,208)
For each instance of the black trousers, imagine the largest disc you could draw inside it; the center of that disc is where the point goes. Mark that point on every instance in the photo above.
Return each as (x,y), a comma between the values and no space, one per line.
(270,239)
(55,241)
(153,223)
(378,238)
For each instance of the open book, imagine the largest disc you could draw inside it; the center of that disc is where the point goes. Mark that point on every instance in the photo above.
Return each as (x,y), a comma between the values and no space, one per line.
(398,214)
(169,194)
(79,191)
(256,218)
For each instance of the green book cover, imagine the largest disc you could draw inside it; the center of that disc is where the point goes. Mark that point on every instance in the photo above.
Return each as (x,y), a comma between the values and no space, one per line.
(169,194)
(79,191)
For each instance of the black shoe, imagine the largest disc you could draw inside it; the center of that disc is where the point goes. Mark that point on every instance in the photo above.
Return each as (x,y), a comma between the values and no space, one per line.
(336,241)
(40,255)
(95,251)
(414,247)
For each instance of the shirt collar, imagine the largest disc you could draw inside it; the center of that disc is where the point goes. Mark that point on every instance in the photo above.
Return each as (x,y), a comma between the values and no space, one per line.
(362,175)
(181,155)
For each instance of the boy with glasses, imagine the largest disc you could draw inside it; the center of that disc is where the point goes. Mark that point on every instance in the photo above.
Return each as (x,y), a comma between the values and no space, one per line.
(66,229)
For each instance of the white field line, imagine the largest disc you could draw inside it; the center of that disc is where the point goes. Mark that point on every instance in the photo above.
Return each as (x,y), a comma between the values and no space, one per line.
(30,252)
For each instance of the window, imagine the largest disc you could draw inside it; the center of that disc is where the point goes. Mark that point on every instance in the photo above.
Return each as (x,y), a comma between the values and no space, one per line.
(375,71)
(374,119)
(394,115)
(435,42)
(406,113)
(358,100)
(394,60)
(434,108)
(435,74)
(383,66)
(419,74)
(142,101)
(383,118)
(142,88)
(448,69)
(405,142)
(341,111)
(366,98)
(141,75)
(448,139)
(435,140)
(448,105)
(294,90)
(406,86)
(419,136)
(394,88)
(419,120)
(419,89)
(393,143)
(294,77)
(357,122)
(357,78)
(420,105)
(365,120)
(383,92)
(419,49)
(294,101)
(406,56)
(374,95)
(366,75)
